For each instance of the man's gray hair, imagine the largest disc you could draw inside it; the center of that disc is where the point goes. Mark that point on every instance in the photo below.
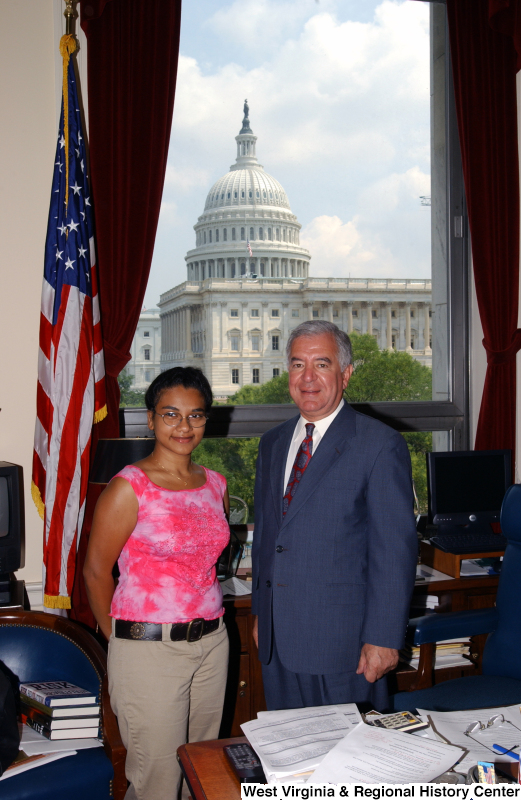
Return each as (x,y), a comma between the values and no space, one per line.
(316,327)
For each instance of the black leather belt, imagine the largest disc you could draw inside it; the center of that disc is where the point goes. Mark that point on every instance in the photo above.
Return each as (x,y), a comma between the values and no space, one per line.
(153,632)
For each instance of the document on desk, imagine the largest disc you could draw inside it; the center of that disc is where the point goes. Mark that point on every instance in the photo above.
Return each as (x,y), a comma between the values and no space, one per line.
(452,725)
(378,755)
(294,741)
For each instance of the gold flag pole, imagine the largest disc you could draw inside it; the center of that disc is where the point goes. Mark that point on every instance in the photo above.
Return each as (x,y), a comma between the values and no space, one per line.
(67,47)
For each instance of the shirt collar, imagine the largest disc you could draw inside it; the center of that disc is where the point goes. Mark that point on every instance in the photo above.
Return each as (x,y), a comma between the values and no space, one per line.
(321,425)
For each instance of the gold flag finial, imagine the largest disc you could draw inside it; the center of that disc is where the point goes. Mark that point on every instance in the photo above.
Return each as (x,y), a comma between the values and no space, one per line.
(70,15)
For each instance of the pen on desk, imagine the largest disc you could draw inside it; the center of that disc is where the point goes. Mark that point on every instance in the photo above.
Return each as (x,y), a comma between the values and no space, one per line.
(505,751)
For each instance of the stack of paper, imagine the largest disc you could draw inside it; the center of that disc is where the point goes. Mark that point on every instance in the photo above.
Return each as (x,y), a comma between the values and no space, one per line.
(451,725)
(449,653)
(291,744)
(376,755)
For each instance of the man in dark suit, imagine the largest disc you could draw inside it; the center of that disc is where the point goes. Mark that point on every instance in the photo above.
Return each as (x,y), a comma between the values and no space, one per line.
(334,545)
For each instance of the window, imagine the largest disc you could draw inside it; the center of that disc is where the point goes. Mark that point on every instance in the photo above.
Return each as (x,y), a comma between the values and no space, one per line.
(228,196)
(355,312)
(261,233)
(274,312)
(393,341)
(146,354)
(315,313)
(235,376)
(256,375)
(243,268)
(234,312)
(251,235)
(217,236)
(234,342)
(255,342)
(276,372)
(204,236)
(146,333)
(210,237)
(243,234)
(225,235)
(148,376)
(393,314)
(283,234)
(277,234)
(412,313)
(254,312)
(242,194)
(274,342)
(295,312)
(374,314)
(335,312)
(269,232)
(233,234)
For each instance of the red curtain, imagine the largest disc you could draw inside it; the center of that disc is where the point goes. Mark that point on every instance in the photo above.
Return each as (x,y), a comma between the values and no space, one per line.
(484,64)
(133,48)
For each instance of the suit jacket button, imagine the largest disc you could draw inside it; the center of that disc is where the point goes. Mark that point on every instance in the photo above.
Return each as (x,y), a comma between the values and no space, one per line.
(268,584)
(279,549)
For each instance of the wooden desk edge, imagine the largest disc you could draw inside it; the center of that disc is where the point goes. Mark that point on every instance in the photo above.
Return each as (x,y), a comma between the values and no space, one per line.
(198,761)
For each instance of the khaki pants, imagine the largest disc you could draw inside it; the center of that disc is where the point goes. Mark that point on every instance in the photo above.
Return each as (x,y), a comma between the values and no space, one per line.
(165,694)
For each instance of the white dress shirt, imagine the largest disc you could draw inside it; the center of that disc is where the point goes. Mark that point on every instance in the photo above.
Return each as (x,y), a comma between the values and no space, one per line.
(321,427)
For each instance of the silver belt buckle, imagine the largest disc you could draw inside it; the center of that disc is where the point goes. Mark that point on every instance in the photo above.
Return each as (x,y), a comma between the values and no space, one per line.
(189,629)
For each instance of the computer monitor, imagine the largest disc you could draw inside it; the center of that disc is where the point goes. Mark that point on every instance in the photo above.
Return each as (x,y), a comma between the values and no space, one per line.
(12,529)
(466,488)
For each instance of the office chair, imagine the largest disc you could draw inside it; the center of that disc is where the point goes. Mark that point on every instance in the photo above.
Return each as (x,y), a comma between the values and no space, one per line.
(500,681)
(40,647)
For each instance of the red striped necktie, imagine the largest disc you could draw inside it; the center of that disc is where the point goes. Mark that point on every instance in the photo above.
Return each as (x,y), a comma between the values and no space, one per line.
(300,464)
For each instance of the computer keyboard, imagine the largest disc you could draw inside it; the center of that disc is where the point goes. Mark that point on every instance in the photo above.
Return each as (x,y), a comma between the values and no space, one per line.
(469,542)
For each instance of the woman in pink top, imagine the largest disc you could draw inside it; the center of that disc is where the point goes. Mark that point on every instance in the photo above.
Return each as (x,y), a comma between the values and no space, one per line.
(164,519)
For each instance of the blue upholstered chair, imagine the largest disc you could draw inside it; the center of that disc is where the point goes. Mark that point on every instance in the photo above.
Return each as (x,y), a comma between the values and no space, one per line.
(500,681)
(38,647)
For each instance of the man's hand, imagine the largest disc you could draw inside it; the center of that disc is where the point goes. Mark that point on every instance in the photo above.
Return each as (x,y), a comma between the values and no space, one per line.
(376,661)
(255,631)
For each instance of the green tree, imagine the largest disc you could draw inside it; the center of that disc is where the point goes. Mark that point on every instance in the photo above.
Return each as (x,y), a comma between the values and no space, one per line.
(235,459)
(128,396)
(275,391)
(385,374)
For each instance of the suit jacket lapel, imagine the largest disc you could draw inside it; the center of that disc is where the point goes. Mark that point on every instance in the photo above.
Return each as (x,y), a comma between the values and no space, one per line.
(336,441)
(279,455)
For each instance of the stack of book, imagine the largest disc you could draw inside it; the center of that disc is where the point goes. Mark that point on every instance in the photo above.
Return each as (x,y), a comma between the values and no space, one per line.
(449,653)
(59,710)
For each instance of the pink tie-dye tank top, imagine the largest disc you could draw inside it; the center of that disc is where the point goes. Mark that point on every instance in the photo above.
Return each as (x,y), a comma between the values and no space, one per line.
(167,566)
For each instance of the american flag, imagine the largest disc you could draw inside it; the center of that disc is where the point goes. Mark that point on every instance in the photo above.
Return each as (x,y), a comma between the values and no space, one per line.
(71,371)
(248,246)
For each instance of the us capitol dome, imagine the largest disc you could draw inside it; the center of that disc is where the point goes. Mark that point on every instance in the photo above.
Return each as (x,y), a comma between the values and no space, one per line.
(248,286)
(247,207)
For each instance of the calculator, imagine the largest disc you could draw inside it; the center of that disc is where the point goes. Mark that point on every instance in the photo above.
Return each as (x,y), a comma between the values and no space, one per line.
(400,721)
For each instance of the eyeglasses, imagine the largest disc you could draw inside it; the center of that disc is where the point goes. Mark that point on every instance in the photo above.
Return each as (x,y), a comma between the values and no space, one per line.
(173,419)
(494,722)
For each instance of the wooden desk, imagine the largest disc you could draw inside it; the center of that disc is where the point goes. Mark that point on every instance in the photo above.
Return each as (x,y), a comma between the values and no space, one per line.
(244,692)
(207,770)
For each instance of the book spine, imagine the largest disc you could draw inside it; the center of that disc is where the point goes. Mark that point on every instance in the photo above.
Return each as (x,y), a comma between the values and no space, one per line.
(34,695)
(43,729)
(30,702)
(37,716)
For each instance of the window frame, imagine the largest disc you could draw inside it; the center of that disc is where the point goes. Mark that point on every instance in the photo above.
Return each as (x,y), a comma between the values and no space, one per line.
(452,415)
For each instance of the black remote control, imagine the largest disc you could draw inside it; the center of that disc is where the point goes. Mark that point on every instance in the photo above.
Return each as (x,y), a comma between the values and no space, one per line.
(245,763)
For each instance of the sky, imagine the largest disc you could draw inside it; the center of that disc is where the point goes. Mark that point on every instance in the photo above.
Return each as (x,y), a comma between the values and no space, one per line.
(338,92)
